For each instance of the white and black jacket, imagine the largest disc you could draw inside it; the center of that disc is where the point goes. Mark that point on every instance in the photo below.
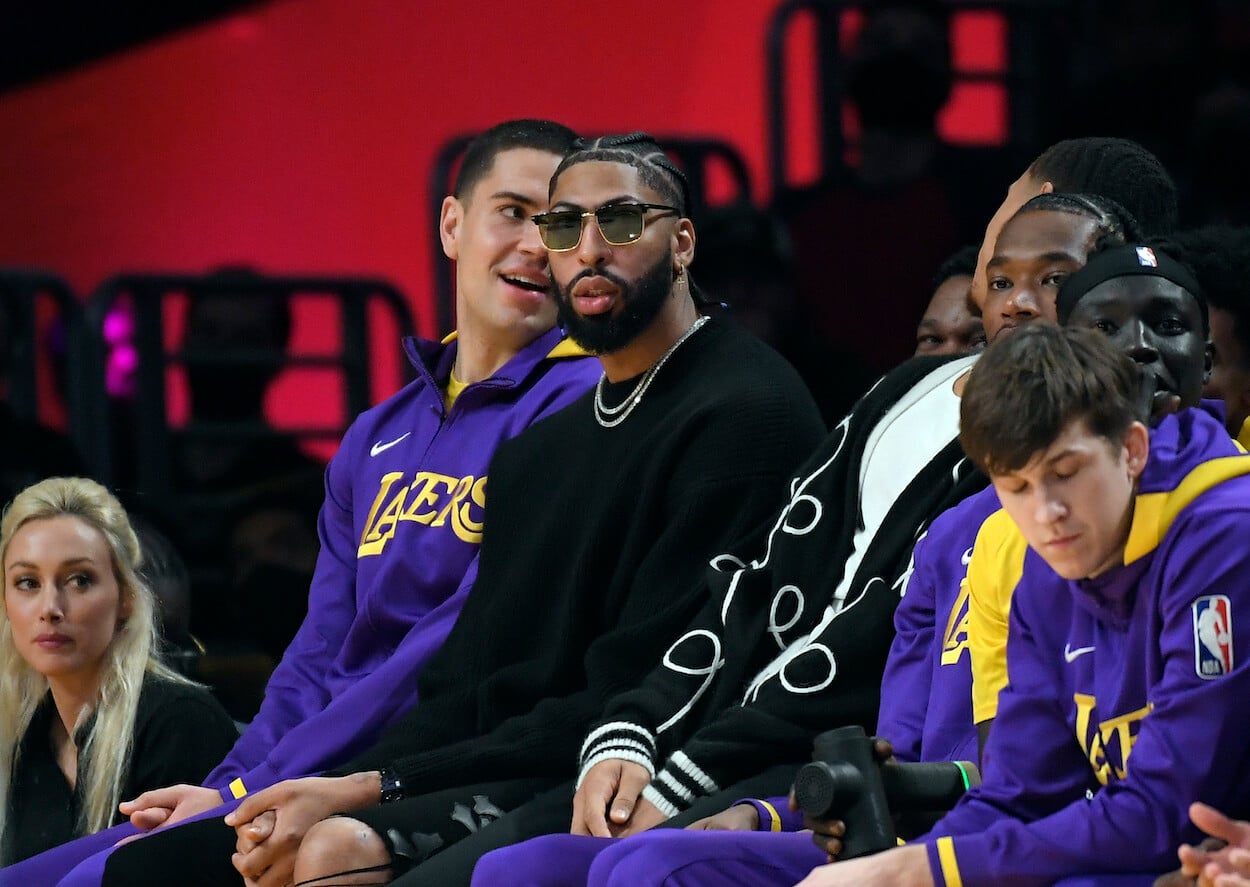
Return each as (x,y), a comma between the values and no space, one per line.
(772,659)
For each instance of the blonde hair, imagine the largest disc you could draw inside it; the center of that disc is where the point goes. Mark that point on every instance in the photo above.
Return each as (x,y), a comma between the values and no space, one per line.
(105,755)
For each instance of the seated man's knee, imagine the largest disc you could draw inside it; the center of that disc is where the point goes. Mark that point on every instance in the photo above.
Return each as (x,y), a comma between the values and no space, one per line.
(341,844)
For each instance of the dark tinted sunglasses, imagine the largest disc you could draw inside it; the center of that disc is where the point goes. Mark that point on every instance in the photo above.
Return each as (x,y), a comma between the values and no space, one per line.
(619,223)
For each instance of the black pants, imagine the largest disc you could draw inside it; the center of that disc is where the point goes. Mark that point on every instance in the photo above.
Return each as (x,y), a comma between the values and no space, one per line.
(437,838)
(541,813)
(193,855)
(551,812)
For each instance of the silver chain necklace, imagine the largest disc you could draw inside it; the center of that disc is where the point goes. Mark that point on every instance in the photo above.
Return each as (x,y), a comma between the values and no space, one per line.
(610,417)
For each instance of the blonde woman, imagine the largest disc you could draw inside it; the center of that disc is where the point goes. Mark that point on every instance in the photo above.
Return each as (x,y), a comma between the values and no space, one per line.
(88,715)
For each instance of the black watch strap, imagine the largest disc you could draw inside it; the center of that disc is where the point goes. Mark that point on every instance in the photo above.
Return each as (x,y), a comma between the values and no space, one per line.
(392,788)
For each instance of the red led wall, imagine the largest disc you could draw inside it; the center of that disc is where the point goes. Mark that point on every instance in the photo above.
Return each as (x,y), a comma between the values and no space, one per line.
(298,137)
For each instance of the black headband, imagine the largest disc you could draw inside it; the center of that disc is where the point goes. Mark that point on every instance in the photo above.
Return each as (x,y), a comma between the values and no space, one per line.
(1126,261)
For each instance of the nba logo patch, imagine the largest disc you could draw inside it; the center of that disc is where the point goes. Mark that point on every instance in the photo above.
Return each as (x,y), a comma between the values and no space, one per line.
(1146,257)
(1213,636)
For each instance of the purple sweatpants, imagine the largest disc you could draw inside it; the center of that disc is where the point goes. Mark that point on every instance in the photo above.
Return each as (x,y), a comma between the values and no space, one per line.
(80,863)
(676,858)
(660,858)
(48,868)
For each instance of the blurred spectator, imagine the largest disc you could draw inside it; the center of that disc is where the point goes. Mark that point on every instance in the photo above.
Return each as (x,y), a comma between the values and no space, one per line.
(273,551)
(948,325)
(229,464)
(1220,255)
(745,259)
(165,573)
(898,77)
(29,451)
(866,245)
(1218,139)
(234,340)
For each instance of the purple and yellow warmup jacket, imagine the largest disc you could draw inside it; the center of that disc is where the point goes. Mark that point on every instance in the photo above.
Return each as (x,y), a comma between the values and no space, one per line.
(995,568)
(926,692)
(1148,659)
(400,529)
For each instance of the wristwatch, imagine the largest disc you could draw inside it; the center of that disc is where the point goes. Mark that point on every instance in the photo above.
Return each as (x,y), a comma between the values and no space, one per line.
(392,788)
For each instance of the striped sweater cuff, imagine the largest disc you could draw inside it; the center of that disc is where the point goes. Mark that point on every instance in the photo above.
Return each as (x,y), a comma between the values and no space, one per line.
(679,785)
(617,755)
(619,740)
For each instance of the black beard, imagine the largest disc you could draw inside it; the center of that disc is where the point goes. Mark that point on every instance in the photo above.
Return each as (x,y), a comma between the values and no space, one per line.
(640,301)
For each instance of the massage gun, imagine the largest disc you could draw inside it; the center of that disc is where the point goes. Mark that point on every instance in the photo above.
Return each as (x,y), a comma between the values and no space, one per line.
(845,781)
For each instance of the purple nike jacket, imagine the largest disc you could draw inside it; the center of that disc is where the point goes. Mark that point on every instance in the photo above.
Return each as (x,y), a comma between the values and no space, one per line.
(399,528)
(1148,659)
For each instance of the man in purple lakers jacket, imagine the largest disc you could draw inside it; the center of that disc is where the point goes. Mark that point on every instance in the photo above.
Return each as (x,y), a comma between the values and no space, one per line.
(401,523)
(1125,637)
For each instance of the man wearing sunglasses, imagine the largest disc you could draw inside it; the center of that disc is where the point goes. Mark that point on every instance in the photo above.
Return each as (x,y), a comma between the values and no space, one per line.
(602,520)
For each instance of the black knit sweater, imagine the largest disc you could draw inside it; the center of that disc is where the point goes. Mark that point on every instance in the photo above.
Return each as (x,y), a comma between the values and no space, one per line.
(594,545)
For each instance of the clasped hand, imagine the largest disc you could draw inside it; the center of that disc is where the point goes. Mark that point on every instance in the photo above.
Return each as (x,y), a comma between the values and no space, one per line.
(609,802)
(270,824)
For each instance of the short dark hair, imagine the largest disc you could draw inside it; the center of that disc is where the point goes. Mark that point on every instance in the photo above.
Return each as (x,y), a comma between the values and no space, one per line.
(479,156)
(1027,388)
(1219,256)
(643,153)
(1120,169)
(1115,225)
(961,263)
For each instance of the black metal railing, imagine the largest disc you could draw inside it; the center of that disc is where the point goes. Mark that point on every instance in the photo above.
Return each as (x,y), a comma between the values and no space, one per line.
(151,296)
(1022,79)
(22,290)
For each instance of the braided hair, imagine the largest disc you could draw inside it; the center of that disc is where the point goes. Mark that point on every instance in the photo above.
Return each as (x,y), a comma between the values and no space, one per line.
(640,151)
(1115,224)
